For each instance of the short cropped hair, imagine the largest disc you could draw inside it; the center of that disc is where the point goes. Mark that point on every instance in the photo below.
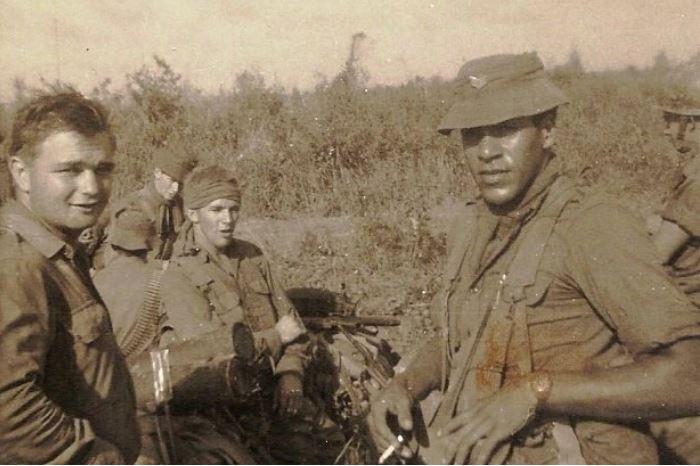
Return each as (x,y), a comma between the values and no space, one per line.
(48,114)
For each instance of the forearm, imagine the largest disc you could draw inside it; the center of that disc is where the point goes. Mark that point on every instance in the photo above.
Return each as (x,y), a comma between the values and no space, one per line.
(423,375)
(35,430)
(295,357)
(656,387)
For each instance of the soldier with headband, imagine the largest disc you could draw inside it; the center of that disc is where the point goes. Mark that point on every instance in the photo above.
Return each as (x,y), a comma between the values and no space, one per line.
(216,283)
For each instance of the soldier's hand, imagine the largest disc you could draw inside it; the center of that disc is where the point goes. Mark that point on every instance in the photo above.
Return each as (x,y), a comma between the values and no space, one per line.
(478,431)
(103,452)
(289,328)
(394,401)
(290,394)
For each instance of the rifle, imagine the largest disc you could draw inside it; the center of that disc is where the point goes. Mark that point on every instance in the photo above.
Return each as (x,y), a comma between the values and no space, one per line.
(331,322)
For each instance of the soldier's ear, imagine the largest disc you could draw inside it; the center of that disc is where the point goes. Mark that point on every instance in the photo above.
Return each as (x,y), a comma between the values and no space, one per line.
(548,137)
(548,128)
(19,169)
(192,216)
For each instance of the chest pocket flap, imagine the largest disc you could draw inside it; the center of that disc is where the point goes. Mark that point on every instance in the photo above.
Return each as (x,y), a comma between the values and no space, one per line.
(535,293)
(89,322)
(254,278)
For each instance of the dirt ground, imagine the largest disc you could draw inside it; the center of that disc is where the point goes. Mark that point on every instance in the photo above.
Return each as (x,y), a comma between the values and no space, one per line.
(327,253)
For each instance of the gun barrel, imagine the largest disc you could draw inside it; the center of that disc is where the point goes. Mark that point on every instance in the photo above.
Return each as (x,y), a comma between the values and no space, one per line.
(351,321)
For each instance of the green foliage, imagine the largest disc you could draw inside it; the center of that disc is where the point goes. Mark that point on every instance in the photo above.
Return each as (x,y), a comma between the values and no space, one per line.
(372,153)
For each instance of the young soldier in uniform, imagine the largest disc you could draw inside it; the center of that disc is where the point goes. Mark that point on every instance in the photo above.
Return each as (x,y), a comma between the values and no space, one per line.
(213,283)
(561,334)
(158,202)
(678,242)
(65,391)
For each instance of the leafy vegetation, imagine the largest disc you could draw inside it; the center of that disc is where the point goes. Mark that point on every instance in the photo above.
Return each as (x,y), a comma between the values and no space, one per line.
(372,154)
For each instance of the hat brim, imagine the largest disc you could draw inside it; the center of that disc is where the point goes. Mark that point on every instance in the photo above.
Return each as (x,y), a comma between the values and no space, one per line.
(128,240)
(496,104)
(694,112)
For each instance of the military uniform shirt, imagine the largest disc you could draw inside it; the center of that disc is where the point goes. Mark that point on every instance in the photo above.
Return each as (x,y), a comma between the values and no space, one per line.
(598,300)
(166,217)
(201,295)
(63,380)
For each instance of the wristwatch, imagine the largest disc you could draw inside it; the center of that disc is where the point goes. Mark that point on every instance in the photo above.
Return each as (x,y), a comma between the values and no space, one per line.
(541,385)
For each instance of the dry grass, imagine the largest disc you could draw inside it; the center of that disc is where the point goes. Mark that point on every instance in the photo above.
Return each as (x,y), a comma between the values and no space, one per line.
(370,158)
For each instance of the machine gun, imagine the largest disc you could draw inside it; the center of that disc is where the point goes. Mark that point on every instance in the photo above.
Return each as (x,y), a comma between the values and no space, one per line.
(349,322)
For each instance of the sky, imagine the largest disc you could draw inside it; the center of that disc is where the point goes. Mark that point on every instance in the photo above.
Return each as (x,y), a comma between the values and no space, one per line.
(293,42)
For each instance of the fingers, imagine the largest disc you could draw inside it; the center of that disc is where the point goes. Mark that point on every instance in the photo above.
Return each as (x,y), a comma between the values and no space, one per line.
(459,421)
(483,450)
(462,453)
(460,443)
(381,432)
(402,408)
(393,401)
(290,402)
(294,402)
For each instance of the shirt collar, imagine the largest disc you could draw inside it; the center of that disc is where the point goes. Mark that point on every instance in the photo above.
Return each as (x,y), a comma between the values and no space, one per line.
(22,221)
(189,247)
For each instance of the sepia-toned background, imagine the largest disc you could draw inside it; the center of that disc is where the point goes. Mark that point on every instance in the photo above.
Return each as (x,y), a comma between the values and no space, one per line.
(327,110)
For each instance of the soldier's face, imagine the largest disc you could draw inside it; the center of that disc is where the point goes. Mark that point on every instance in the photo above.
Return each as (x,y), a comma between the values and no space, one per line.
(683,133)
(165,185)
(505,158)
(68,182)
(216,222)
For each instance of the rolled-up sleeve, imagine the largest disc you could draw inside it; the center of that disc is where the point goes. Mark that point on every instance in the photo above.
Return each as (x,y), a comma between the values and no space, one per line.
(294,355)
(612,261)
(33,429)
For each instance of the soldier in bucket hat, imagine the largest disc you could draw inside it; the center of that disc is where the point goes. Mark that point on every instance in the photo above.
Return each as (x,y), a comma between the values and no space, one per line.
(560,335)
(158,203)
(677,237)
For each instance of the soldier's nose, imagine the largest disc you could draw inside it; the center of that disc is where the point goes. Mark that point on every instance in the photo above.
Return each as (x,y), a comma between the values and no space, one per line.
(488,148)
(87,183)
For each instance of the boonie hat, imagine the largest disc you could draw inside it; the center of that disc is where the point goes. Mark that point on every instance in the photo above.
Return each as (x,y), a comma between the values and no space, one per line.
(173,163)
(132,231)
(682,111)
(497,88)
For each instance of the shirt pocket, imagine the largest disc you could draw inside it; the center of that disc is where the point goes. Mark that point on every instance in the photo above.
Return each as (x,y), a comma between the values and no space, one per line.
(258,301)
(89,322)
(257,283)
(535,293)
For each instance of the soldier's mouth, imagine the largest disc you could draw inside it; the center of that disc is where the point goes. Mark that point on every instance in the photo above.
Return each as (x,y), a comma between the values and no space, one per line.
(492,176)
(87,207)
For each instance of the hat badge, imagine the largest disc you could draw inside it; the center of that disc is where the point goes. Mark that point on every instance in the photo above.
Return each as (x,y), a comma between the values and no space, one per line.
(477,82)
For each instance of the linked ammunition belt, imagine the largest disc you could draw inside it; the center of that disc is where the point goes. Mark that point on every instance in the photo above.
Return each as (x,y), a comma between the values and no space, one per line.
(147,328)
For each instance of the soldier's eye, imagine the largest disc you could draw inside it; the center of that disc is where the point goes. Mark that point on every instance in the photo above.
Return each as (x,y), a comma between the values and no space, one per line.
(105,169)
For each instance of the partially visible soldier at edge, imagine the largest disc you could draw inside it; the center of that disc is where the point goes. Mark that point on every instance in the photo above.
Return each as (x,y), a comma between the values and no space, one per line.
(65,391)
(561,335)
(678,241)
(678,236)
(158,202)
